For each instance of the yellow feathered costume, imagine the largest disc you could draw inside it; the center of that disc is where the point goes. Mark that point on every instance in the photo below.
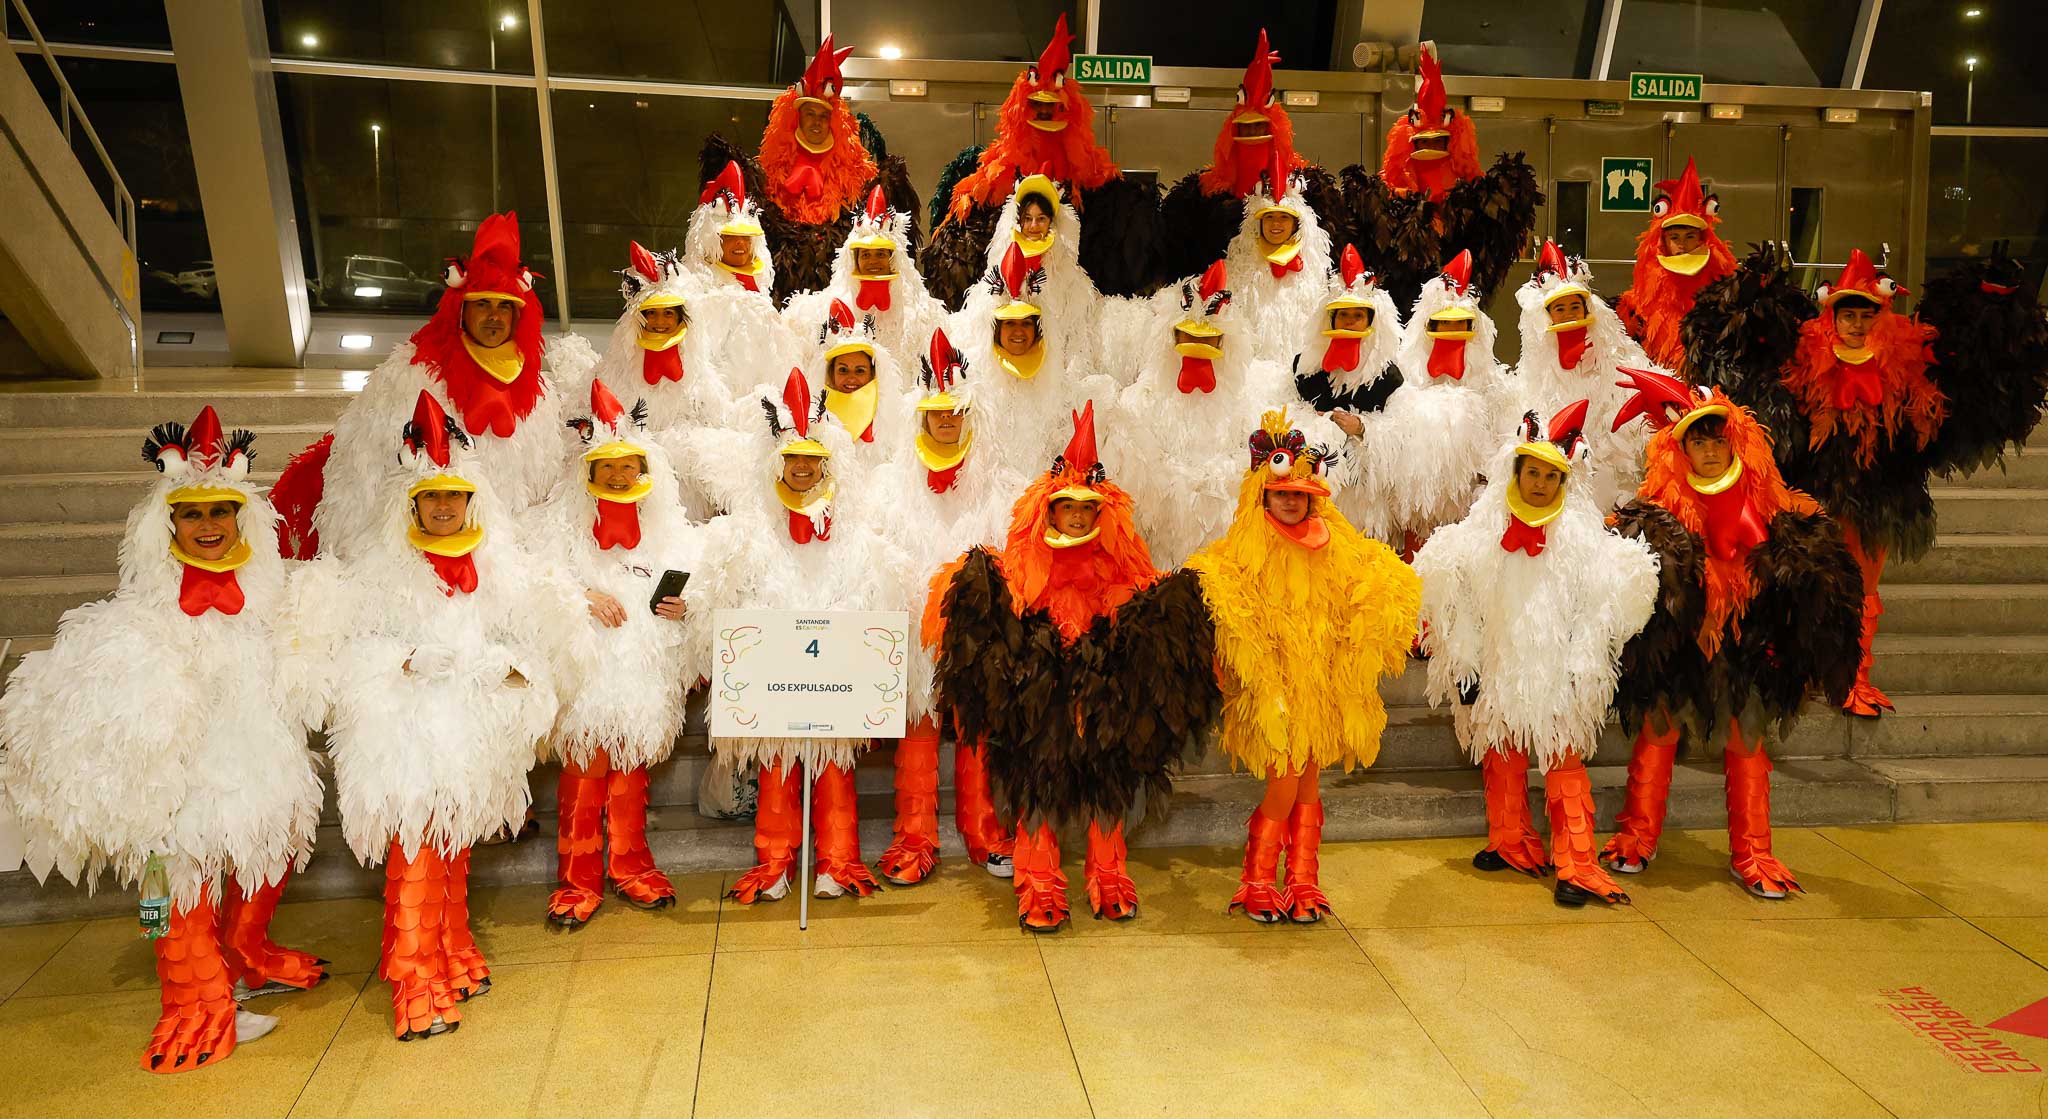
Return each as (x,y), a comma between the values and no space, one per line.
(1308,619)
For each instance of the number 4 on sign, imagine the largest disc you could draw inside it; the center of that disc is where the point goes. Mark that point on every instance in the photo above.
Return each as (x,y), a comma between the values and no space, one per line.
(812,648)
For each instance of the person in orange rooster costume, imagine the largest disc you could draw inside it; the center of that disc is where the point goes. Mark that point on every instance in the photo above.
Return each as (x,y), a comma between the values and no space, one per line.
(1866,402)
(817,162)
(1046,127)
(1430,200)
(1677,256)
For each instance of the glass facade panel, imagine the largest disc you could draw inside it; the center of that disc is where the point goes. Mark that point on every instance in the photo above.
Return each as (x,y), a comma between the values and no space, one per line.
(1981,190)
(1749,42)
(1928,45)
(465,35)
(1214,32)
(629,172)
(110,23)
(390,178)
(713,41)
(1515,38)
(1010,32)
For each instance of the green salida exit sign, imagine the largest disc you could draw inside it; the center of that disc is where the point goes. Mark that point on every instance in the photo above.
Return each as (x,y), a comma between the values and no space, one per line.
(1664,87)
(1114,69)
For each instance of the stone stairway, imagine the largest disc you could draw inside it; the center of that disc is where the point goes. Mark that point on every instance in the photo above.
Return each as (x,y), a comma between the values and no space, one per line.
(1964,654)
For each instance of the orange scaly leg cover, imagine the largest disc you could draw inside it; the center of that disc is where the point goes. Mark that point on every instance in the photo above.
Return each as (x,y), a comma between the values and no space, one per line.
(245,935)
(835,824)
(1257,893)
(910,859)
(1306,903)
(413,960)
(629,862)
(1040,885)
(467,972)
(579,845)
(198,1023)
(1569,793)
(1111,893)
(1865,698)
(1510,831)
(778,826)
(1749,817)
(974,809)
(1641,820)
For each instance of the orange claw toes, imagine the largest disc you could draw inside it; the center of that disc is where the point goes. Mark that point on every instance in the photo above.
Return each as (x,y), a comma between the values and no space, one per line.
(852,876)
(571,906)
(649,889)
(1112,894)
(1261,901)
(1762,873)
(769,881)
(1306,903)
(910,860)
(1595,881)
(187,1037)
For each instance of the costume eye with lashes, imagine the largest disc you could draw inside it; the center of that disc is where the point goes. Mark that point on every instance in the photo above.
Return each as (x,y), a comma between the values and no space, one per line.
(1660,207)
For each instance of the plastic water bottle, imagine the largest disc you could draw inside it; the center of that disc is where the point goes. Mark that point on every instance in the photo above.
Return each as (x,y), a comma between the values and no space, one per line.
(156,900)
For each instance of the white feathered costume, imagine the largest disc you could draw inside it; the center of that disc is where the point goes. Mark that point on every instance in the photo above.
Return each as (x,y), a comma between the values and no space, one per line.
(1035,394)
(1351,371)
(1065,293)
(867,414)
(1274,290)
(905,313)
(736,309)
(147,730)
(1599,348)
(430,733)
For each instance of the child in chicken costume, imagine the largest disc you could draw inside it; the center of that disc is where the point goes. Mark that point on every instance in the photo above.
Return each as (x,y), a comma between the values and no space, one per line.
(1088,674)
(168,724)
(875,273)
(1573,349)
(946,490)
(1204,212)
(818,161)
(1678,255)
(802,538)
(1045,127)
(1279,263)
(332,495)
(1528,603)
(1430,200)
(1757,604)
(620,523)
(1029,368)
(725,252)
(1343,364)
(1865,403)
(442,686)
(1309,617)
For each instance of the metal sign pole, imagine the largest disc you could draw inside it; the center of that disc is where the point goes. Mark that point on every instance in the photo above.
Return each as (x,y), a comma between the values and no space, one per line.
(803,880)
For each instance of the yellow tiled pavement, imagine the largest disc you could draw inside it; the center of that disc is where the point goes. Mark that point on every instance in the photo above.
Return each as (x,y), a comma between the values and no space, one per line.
(1442,991)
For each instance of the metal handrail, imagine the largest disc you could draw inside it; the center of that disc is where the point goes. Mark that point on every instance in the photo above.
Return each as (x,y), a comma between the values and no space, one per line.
(70,107)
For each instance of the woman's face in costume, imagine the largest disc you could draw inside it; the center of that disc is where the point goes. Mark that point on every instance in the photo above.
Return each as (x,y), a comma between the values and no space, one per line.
(1853,319)
(618,474)
(1287,506)
(735,251)
(802,472)
(814,123)
(1073,517)
(1572,308)
(871,262)
(1708,454)
(661,320)
(1034,221)
(1538,482)
(205,529)
(1680,240)
(1351,318)
(945,428)
(851,372)
(489,322)
(1276,228)
(1017,336)
(441,512)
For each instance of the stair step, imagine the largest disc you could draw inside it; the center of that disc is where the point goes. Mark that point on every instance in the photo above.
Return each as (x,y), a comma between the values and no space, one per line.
(32,604)
(63,450)
(93,497)
(1977,558)
(137,412)
(57,548)
(2005,664)
(1966,510)
(1953,726)
(2018,471)
(1958,608)
(1210,811)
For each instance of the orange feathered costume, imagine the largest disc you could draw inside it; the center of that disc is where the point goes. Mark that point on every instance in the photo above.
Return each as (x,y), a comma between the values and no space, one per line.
(814,188)
(1658,297)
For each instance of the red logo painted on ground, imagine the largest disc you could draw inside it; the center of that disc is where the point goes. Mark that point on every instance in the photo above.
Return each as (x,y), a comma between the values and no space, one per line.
(2029,1020)
(1972,1046)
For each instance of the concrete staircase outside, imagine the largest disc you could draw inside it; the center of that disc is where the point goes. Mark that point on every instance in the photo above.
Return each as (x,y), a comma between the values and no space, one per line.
(1963,652)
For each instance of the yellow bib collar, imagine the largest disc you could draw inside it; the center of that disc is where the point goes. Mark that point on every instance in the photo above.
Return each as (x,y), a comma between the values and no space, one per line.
(504,363)
(633,496)
(235,557)
(660,342)
(1033,249)
(460,544)
(1285,254)
(856,409)
(1198,349)
(753,267)
(1023,368)
(1853,357)
(1334,332)
(1686,265)
(1711,486)
(810,504)
(1577,324)
(1529,514)
(1053,538)
(940,456)
(806,144)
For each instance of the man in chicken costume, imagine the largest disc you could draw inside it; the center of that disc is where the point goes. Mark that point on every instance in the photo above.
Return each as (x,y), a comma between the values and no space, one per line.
(434,642)
(944,491)
(1087,672)
(726,252)
(818,161)
(480,357)
(1419,456)
(621,526)
(1757,604)
(1573,349)
(167,726)
(1309,617)
(800,534)
(1430,200)
(1205,211)
(1865,403)
(1528,602)
(1045,127)
(1677,257)
(875,273)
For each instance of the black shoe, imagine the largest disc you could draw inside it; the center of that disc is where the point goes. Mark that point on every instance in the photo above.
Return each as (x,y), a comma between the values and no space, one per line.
(1489,859)
(1572,897)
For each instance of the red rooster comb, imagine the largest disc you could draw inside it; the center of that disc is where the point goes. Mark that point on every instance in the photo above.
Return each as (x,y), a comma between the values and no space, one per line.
(796,396)
(727,182)
(1861,278)
(878,206)
(1429,90)
(643,262)
(1212,281)
(1080,454)
(427,434)
(1660,398)
(1256,91)
(1015,271)
(1567,424)
(824,72)
(1458,273)
(604,406)
(1058,52)
(1551,260)
(1350,266)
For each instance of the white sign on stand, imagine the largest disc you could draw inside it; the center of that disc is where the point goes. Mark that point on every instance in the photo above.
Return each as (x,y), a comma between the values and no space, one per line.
(809,674)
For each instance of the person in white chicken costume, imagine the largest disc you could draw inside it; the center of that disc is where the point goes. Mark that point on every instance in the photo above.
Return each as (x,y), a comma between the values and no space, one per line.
(799,534)
(1279,265)
(435,643)
(1526,605)
(167,726)
(1420,457)
(621,527)
(1574,348)
(1025,371)
(1046,232)
(945,490)
(1344,366)
(480,356)
(726,253)
(875,274)
(1178,435)
(858,377)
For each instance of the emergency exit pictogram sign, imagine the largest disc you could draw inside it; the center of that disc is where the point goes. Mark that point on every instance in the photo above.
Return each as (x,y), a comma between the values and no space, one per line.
(1625,183)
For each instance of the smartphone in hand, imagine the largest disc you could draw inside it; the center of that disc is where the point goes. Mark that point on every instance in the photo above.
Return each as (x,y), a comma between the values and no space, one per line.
(671,586)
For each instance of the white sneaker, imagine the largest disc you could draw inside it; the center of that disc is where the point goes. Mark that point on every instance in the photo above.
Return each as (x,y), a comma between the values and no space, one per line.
(1759,889)
(244,992)
(829,887)
(1630,865)
(999,865)
(250,1025)
(779,890)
